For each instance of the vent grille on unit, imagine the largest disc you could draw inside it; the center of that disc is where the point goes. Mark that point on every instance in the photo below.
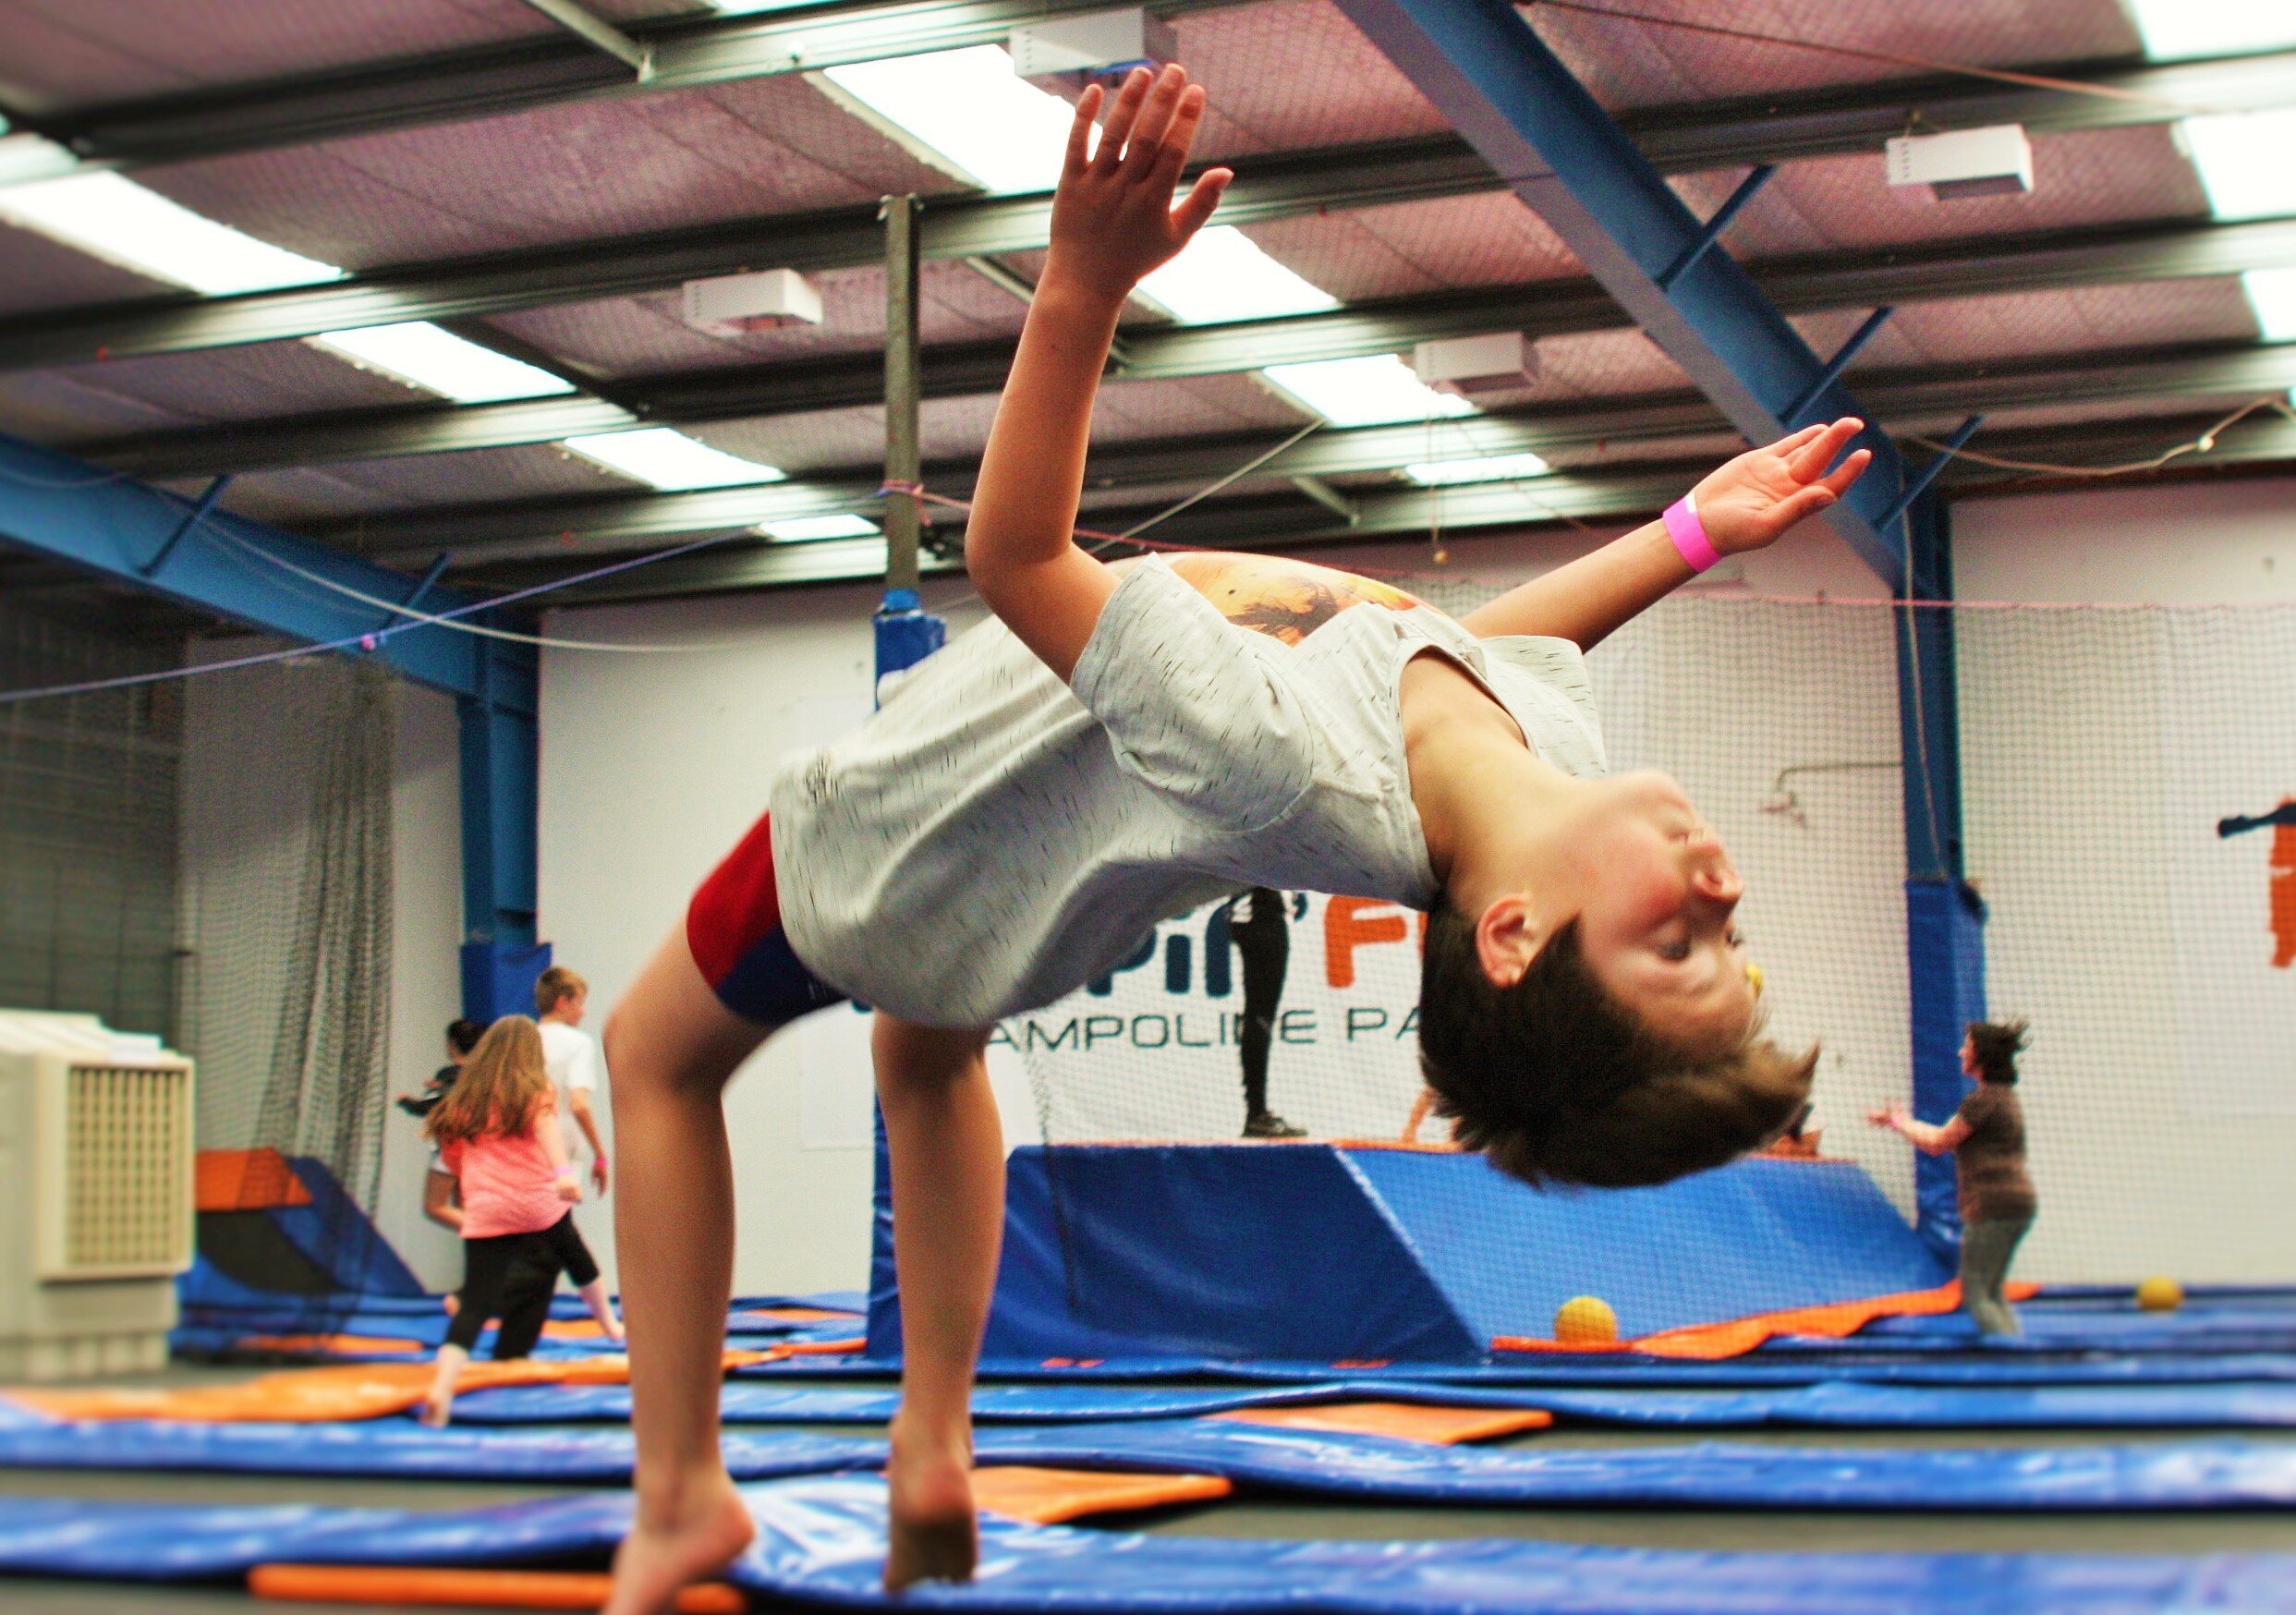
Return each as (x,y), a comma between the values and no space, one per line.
(124,1204)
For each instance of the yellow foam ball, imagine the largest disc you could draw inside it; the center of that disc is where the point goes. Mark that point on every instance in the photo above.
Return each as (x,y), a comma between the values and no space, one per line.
(2161,1293)
(1586,1321)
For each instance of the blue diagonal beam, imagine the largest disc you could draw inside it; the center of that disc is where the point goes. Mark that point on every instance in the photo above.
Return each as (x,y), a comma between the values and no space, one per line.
(71,511)
(1554,147)
(194,553)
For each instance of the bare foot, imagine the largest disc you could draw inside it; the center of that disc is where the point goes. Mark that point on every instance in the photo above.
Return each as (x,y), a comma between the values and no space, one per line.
(932,1532)
(452,1302)
(682,1545)
(435,1410)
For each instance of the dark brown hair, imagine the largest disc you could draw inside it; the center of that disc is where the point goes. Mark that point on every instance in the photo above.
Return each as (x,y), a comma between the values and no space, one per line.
(1555,1081)
(502,1086)
(1997,1044)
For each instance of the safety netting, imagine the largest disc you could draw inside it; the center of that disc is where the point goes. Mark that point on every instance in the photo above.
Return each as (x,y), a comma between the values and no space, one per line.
(209,860)
(2121,771)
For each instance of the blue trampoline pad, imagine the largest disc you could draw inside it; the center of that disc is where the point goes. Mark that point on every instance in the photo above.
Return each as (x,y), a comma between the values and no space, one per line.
(821,1541)
(1982,1368)
(2187,1474)
(1844,1405)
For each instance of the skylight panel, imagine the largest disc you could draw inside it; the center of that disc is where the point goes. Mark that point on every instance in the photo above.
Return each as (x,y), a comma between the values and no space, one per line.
(2272,294)
(1477,468)
(2176,30)
(429,356)
(2244,162)
(26,156)
(117,220)
(798,529)
(1376,390)
(670,460)
(1223,274)
(971,108)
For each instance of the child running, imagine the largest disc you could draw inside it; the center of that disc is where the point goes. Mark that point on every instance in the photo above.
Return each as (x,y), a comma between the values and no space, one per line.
(497,1132)
(1123,745)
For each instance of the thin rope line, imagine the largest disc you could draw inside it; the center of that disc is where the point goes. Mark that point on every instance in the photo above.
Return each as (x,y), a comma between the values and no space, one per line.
(2205,442)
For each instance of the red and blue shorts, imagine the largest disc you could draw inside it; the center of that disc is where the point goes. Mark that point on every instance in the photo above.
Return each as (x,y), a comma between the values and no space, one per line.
(734,926)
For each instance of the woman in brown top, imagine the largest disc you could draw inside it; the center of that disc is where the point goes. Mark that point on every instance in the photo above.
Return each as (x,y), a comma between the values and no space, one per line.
(1987,1139)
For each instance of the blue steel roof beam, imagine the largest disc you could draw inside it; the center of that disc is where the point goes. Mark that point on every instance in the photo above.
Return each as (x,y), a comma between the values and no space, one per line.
(70,511)
(1552,144)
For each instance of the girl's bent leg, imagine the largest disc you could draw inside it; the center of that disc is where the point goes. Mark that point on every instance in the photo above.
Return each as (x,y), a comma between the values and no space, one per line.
(948,1196)
(672,1046)
(438,1405)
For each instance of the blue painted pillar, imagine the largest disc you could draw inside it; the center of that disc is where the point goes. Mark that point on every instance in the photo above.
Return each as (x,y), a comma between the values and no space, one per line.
(906,634)
(501,807)
(1944,917)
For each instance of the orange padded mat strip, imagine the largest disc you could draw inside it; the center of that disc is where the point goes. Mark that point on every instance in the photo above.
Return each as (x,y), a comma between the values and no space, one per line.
(333,1345)
(1404,1421)
(1051,1497)
(245,1180)
(500,1589)
(352,1390)
(789,1315)
(1714,1341)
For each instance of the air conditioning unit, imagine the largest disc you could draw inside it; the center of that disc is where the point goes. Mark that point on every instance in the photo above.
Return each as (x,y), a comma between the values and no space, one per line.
(1070,51)
(1502,362)
(730,305)
(1996,161)
(96,1125)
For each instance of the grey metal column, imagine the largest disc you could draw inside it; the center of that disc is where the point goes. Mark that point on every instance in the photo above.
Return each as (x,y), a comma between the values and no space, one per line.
(903,387)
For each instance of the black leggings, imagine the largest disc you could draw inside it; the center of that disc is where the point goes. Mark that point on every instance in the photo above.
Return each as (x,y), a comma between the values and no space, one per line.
(511,1276)
(1264,940)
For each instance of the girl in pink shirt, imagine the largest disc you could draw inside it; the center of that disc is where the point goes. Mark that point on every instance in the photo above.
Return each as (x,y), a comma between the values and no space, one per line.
(497,1133)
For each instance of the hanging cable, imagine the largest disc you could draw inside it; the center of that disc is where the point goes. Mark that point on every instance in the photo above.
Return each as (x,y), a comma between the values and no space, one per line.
(2205,444)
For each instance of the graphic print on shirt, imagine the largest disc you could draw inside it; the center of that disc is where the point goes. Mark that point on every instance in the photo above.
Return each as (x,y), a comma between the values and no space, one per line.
(1285,600)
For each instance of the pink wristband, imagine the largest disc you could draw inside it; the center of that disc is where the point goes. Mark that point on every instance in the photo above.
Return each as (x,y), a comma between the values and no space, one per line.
(1689,534)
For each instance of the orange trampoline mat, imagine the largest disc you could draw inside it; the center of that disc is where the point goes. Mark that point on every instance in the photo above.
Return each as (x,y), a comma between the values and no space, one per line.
(1734,1338)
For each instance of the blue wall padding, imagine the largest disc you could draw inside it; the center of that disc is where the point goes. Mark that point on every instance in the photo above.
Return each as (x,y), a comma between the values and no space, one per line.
(335,1234)
(821,1542)
(1755,1236)
(1196,1251)
(1845,1404)
(1311,1252)
(2188,1474)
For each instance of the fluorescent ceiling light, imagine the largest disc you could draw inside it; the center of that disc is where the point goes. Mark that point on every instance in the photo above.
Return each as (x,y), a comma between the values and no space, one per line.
(1377,391)
(436,360)
(118,220)
(25,156)
(1483,469)
(2272,293)
(970,107)
(670,460)
(1224,275)
(798,529)
(2244,162)
(2174,29)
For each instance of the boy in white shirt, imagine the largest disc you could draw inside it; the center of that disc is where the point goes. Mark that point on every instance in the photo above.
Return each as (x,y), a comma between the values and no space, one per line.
(571,1055)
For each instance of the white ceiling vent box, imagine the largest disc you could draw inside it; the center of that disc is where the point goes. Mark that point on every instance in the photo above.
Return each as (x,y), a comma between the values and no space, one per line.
(1988,162)
(732,305)
(1502,362)
(1070,51)
(95,1134)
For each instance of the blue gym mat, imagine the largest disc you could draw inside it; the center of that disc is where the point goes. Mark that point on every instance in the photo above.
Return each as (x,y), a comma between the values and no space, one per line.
(821,1542)
(2183,1475)
(1844,1405)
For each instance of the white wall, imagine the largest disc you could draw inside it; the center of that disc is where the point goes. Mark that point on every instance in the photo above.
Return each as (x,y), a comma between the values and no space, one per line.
(2098,748)
(426,990)
(251,741)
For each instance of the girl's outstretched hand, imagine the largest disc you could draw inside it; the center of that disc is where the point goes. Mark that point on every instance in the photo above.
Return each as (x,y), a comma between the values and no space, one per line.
(1113,219)
(1752,499)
